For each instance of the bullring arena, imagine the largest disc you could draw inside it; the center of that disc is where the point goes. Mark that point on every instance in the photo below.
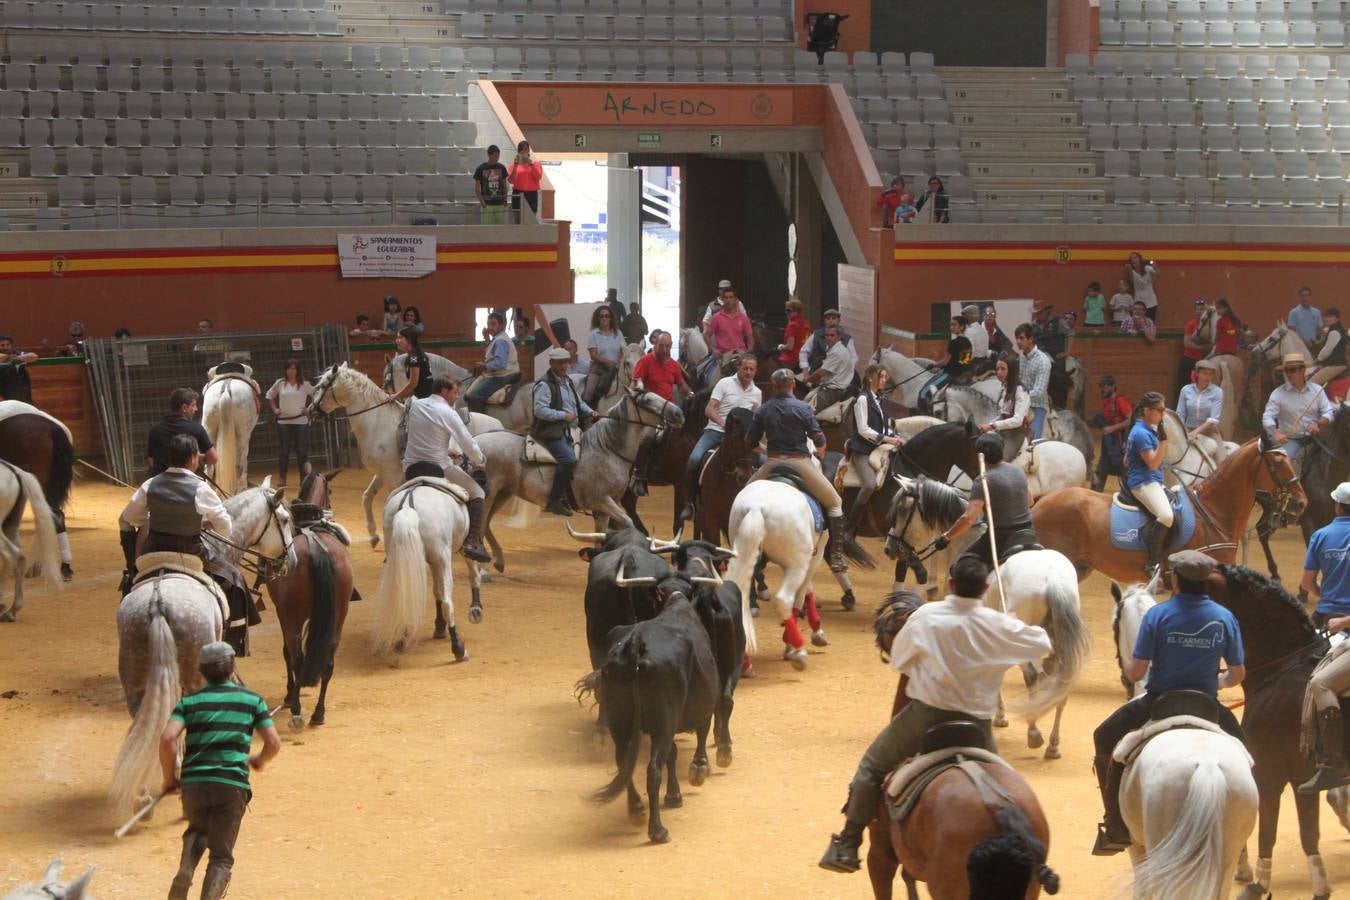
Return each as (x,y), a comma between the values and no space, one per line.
(881,197)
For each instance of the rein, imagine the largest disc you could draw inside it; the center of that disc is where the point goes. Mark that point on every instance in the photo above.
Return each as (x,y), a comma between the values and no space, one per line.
(264,568)
(1286,662)
(334,417)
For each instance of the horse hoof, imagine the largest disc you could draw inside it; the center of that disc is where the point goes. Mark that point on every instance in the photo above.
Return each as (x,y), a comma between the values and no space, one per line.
(1000,721)
(439,633)
(400,645)
(374,541)
(461,653)
(7,616)
(818,639)
(1252,891)
(315,720)
(673,801)
(848,601)
(723,757)
(637,815)
(297,723)
(660,836)
(484,575)
(749,672)
(475,614)
(1052,752)
(1034,739)
(797,657)
(754,612)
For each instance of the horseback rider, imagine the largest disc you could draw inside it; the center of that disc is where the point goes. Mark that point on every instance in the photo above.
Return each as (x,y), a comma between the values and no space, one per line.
(556,406)
(1145,451)
(499,367)
(953,364)
(415,365)
(813,351)
(435,434)
(954,652)
(1200,405)
(787,423)
(1179,647)
(658,373)
(1297,410)
(174,502)
(1010,499)
(871,429)
(180,420)
(737,391)
(1329,554)
(1014,407)
(835,374)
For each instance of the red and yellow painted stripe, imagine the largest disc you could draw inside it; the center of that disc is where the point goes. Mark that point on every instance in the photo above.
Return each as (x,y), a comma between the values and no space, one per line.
(1046,253)
(202,261)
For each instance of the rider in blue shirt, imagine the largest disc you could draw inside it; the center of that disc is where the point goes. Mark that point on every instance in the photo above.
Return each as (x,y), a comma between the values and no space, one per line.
(1180,645)
(1145,450)
(1329,554)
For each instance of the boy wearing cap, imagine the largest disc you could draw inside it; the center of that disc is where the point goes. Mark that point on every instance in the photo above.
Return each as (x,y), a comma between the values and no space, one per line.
(1201,404)
(1296,409)
(1331,358)
(813,353)
(219,721)
(1180,646)
(722,287)
(1329,554)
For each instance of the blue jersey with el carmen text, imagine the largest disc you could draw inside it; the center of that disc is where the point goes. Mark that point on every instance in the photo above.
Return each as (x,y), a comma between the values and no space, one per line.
(1185,639)
(1329,553)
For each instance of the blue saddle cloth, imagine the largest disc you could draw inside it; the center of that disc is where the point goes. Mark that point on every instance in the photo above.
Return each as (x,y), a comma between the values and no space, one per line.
(817,512)
(1126,524)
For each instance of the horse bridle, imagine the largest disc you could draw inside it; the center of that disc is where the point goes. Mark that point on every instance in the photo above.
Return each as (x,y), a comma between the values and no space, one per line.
(1284,490)
(264,568)
(660,425)
(316,411)
(913,557)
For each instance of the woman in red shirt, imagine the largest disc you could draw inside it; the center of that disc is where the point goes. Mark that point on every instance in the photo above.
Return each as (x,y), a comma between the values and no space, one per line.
(1227,330)
(795,336)
(525,176)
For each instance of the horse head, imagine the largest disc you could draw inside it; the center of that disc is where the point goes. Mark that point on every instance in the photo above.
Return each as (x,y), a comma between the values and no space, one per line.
(1281,480)
(891,616)
(322,401)
(1131,604)
(668,414)
(51,886)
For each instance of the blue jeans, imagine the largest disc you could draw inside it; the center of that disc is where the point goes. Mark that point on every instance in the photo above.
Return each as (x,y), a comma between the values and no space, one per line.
(293,437)
(709,439)
(1037,422)
(1293,447)
(487,386)
(561,448)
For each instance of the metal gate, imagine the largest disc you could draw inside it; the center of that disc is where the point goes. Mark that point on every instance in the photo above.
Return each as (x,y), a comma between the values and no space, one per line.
(132,380)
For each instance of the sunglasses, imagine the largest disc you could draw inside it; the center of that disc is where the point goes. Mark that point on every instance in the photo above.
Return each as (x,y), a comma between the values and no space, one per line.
(1293,368)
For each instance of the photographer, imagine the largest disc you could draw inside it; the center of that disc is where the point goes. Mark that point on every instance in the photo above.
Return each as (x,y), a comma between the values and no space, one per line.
(525,176)
(1140,276)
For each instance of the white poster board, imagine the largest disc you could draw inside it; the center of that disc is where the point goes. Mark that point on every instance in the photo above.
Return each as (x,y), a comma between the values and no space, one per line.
(382,255)
(1009,313)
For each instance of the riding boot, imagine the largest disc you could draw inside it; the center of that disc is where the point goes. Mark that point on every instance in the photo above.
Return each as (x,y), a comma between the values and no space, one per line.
(562,489)
(856,506)
(128,539)
(473,541)
(215,884)
(842,854)
(1155,543)
(1332,771)
(1113,835)
(193,848)
(835,550)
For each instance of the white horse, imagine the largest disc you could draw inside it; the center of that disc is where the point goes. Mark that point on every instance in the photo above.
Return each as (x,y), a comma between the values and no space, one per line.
(51,887)
(908,376)
(18,487)
(396,372)
(1192,460)
(374,418)
(1040,587)
(164,622)
(1128,615)
(775,519)
(978,403)
(230,413)
(425,526)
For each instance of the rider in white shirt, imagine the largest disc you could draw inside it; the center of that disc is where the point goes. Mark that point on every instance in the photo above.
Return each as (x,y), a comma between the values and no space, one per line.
(435,434)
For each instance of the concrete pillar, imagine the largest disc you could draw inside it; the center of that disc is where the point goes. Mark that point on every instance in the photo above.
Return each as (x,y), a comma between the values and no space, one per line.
(624,230)
(808,213)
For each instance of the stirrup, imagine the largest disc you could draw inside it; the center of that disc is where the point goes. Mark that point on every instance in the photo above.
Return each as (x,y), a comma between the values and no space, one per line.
(1108,845)
(1324,779)
(841,856)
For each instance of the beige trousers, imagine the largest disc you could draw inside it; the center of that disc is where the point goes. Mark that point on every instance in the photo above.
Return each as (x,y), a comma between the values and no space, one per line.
(1331,679)
(816,483)
(1154,499)
(1325,374)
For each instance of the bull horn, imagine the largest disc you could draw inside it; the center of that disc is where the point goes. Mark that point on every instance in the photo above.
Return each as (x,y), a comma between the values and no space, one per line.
(585,536)
(728,553)
(699,579)
(621,581)
(657,545)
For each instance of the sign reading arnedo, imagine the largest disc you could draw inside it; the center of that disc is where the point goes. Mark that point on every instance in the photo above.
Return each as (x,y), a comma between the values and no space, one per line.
(386,255)
(621,105)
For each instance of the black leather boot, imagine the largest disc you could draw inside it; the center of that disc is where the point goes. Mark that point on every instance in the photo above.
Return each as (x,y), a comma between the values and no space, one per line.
(473,541)
(562,489)
(128,539)
(1113,835)
(215,884)
(834,552)
(1155,545)
(1332,771)
(842,854)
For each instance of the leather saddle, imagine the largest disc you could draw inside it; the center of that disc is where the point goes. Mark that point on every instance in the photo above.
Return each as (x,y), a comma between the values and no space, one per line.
(949,745)
(1020,542)
(1126,500)
(536,453)
(505,395)
(1172,710)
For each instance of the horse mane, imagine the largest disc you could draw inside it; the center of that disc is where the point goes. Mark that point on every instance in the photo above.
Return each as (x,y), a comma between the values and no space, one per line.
(308,481)
(360,382)
(1207,485)
(939,505)
(1267,593)
(891,616)
(742,417)
(980,400)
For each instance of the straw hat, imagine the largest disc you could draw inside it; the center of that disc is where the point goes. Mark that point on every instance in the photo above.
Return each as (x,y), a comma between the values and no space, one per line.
(1293,360)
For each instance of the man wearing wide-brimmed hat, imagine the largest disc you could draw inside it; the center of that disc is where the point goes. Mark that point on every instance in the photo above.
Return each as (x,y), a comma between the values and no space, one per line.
(1200,405)
(1329,556)
(1297,409)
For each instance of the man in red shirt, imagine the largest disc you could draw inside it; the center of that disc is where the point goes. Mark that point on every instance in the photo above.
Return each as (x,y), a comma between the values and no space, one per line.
(1112,420)
(658,373)
(729,329)
(1193,347)
(795,336)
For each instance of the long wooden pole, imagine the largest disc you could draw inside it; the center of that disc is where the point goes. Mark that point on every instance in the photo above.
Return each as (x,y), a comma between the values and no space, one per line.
(989,523)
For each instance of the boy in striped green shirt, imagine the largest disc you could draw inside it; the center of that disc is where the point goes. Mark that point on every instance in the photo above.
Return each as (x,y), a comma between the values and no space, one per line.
(219,720)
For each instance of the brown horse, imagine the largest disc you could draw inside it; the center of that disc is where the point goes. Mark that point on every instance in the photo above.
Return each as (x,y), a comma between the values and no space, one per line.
(40,445)
(1282,648)
(311,602)
(950,819)
(1077,521)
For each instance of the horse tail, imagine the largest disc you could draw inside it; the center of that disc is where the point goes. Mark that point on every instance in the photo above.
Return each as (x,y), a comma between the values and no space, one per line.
(1071,642)
(321,631)
(404,585)
(62,473)
(45,556)
(749,539)
(138,759)
(1188,862)
(622,665)
(226,442)
(1017,839)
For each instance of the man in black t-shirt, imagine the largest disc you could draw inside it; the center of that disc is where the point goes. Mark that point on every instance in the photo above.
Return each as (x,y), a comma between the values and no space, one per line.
(180,420)
(1010,502)
(489,183)
(955,363)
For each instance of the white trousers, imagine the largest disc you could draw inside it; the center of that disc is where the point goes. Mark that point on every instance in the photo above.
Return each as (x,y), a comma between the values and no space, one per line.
(1154,499)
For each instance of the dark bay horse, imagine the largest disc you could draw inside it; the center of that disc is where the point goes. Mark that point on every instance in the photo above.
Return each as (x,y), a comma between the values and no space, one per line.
(1282,648)
(668,459)
(311,602)
(38,444)
(950,819)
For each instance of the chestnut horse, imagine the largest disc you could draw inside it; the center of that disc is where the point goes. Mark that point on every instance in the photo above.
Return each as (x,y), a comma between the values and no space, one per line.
(1077,521)
(38,443)
(950,818)
(312,601)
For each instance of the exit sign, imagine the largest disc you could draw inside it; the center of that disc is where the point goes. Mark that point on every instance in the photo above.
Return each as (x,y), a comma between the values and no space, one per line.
(649,139)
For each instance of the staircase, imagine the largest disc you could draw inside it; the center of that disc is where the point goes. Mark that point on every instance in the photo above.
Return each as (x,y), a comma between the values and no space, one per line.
(1022,142)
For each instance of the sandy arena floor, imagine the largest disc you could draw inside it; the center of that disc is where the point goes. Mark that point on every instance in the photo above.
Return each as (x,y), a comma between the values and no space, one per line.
(436,779)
